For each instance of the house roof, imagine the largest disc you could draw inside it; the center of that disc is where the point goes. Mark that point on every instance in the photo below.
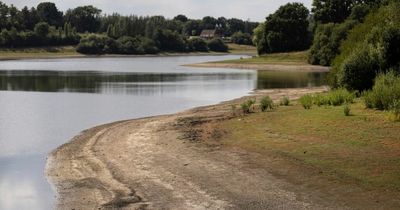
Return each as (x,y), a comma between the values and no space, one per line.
(208,33)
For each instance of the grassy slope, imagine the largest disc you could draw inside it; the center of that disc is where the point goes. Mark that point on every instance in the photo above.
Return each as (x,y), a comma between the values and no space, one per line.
(39,52)
(292,58)
(363,148)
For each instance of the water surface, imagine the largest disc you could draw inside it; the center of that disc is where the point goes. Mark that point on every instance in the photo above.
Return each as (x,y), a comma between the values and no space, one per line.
(45,102)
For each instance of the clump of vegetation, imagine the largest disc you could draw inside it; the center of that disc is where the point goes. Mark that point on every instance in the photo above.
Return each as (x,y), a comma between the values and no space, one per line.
(233,109)
(241,38)
(371,47)
(346,110)
(248,106)
(285,30)
(266,103)
(395,111)
(306,101)
(285,101)
(336,97)
(217,45)
(385,93)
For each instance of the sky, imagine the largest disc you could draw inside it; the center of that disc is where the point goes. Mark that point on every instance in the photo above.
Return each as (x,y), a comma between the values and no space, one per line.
(255,10)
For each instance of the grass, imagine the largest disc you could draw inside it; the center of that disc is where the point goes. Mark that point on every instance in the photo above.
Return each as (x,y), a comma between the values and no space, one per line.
(242,49)
(363,147)
(292,58)
(37,52)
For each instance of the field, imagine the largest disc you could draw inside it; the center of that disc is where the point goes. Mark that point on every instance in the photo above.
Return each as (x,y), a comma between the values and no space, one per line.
(362,149)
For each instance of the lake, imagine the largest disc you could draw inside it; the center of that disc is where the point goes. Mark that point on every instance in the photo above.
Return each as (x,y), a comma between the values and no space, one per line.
(45,102)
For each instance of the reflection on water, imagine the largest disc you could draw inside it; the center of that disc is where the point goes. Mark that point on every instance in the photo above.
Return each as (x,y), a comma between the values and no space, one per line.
(282,79)
(43,104)
(145,83)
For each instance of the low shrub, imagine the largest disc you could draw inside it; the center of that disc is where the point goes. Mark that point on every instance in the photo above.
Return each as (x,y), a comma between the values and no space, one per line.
(395,110)
(306,101)
(217,45)
(346,110)
(385,93)
(248,106)
(266,103)
(285,101)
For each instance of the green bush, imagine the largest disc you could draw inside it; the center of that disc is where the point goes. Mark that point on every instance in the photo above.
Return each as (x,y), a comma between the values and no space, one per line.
(241,38)
(346,110)
(285,101)
(248,106)
(198,44)
(339,97)
(92,44)
(217,45)
(306,101)
(266,103)
(385,92)
(395,110)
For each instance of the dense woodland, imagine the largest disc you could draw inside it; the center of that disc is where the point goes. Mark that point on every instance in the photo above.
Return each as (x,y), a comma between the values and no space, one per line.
(99,33)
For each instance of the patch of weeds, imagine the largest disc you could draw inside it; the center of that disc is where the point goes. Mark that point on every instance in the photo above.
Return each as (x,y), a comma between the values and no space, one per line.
(285,101)
(248,106)
(306,101)
(266,103)
(346,110)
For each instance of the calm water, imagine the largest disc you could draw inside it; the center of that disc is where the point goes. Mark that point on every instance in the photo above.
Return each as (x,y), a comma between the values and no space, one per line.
(44,103)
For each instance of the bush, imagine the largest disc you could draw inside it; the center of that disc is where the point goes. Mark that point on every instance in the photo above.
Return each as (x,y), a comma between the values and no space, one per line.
(346,110)
(385,93)
(266,103)
(285,101)
(168,40)
(198,44)
(248,105)
(129,45)
(241,38)
(217,45)
(306,101)
(395,110)
(339,97)
(92,44)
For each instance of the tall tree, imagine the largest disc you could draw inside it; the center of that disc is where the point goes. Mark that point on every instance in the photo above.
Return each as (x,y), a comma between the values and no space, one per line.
(336,11)
(287,29)
(84,18)
(49,13)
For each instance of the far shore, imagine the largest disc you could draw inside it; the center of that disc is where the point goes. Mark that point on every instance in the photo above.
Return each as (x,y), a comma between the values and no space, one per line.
(263,66)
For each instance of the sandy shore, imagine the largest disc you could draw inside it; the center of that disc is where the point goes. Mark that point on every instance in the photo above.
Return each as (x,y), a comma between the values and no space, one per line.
(264,67)
(156,163)
(176,162)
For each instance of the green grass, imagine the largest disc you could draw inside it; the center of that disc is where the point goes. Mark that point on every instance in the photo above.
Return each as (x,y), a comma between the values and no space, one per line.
(242,49)
(38,52)
(363,148)
(292,58)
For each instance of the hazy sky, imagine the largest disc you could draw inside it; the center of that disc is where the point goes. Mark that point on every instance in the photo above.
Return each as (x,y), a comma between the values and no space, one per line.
(255,10)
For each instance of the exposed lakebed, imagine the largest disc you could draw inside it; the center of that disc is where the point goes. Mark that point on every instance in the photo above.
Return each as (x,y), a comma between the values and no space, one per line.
(45,102)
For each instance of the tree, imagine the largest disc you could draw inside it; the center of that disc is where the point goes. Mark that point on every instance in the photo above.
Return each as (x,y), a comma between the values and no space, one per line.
(336,11)
(29,18)
(287,29)
(241,38)
(217,45)
(85,18)
(259,38)
(208,23)
(49,13)
(181,18)
(153,25)
(42,29)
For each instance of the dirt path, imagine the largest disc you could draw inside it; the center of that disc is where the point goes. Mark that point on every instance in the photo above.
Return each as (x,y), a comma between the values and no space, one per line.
(150,164)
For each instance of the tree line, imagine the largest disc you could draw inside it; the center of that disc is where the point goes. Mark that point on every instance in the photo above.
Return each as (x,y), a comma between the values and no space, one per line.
(46,25)
(360,39)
